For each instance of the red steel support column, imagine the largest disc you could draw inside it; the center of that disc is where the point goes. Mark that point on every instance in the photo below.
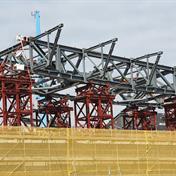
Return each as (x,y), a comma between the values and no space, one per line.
(93,106)
(130,118)
(4,102)
(17,121)
(170,113)
(55,112)
(16,96)
(141,119)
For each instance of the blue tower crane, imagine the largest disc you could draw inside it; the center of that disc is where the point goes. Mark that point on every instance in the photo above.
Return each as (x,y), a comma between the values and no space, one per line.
(36,15)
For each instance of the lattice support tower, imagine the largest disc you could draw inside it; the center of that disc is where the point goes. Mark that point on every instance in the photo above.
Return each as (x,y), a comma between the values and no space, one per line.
(93,106)
(56,113)
(141,119)
(16,96)
(170,113)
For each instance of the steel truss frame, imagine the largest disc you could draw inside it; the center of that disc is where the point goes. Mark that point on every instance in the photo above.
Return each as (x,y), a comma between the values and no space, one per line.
(139,81)
(61,65)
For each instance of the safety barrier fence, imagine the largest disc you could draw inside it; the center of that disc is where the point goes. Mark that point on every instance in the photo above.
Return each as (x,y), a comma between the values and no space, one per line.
(86,152)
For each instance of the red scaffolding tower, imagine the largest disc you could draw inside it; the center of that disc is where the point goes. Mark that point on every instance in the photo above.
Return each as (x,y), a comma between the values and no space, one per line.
(170,113)
(141,119)
(54,113)
(15,96)
(93,107)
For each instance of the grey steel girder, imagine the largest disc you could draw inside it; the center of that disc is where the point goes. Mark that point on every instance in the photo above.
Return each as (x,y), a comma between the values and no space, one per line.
(56,67)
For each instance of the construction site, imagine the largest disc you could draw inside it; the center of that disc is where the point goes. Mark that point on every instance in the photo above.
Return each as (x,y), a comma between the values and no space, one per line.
(84,111)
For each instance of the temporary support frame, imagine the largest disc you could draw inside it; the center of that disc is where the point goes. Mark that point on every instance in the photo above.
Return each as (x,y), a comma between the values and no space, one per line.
(56,113)
(170,113)
(144,119)
(93,107)
(16,97)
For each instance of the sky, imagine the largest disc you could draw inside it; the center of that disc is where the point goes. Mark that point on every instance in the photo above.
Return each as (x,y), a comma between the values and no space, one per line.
(141,26)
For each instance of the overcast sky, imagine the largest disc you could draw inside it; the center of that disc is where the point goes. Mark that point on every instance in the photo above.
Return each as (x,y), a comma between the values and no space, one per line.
(141,26)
